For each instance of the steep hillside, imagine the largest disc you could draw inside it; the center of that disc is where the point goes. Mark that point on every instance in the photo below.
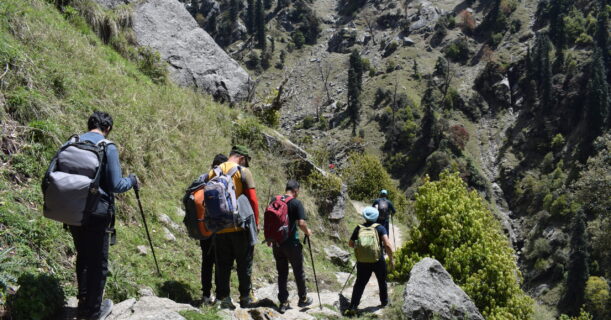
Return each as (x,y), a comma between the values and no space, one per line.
(513,94)
(55,72)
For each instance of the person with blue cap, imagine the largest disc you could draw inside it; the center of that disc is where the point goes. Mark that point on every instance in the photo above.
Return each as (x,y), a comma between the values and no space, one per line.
(386,209)
(369,241)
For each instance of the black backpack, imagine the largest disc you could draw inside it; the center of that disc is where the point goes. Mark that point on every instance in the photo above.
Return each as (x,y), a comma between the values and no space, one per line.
(383,208)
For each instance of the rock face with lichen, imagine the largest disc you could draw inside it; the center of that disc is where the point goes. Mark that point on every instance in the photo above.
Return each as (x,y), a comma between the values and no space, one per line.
(432,294)
(194,59)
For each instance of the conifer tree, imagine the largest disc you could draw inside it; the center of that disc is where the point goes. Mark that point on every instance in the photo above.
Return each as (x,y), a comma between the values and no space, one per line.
(597,106)
(355,78)
(602,34)
(578,272)
(260,24)
(234,11)
(250,17)
(267,4)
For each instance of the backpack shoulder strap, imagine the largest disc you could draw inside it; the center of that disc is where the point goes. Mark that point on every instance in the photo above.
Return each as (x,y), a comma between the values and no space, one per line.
(375,225)
(286,199)
(233,171)
(217,172)
(104,142)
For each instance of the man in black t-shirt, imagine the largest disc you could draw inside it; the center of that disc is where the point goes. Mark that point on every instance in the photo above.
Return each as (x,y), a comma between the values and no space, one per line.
(291,250)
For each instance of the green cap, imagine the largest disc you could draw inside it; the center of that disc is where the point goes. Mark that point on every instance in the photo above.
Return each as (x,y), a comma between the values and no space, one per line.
(241,150)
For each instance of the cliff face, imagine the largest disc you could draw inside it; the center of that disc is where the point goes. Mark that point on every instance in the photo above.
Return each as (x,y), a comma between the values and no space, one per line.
(194,59)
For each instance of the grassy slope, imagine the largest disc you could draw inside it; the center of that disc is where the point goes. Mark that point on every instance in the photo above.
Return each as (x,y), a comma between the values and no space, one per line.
(58,75)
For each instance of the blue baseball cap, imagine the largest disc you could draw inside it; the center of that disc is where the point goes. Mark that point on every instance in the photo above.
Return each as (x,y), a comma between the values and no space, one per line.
(371,214)
(384,192)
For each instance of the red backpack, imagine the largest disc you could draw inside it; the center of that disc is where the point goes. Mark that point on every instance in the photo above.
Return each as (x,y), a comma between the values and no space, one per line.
(276,220)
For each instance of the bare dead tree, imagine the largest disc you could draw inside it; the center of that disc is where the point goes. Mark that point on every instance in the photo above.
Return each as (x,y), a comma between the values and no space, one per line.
(325,69)
(370,22)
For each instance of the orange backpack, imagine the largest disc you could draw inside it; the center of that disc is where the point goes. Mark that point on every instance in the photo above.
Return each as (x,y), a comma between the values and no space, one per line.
(195,211)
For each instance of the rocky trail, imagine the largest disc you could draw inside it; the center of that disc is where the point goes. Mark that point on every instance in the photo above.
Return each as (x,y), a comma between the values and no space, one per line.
(147,306)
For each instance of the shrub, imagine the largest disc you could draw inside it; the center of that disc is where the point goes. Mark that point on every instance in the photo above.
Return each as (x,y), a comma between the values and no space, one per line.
(467,21)
(325,189)
(308,122)
(596,297)
(40,296)
(298,39)
(457,51)
(249,132)
(459,136)
(558,141)
(365,177)
(457,228)
(151,64)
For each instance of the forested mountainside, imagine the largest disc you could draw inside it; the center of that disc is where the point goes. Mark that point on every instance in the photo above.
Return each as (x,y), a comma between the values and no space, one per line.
(488,122)
(512,94)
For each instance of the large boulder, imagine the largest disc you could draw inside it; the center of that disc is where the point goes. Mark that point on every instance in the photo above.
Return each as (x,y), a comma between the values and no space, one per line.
(149,307)
(425,18)
(432,294)
(337,255)
(194,58)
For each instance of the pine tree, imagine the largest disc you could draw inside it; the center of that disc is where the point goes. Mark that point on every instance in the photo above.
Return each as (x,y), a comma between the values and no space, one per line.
(355,79)
(542,70)
(597,106)
(250,17)
(260,24)
(602,35)
(234,11)
(578,272)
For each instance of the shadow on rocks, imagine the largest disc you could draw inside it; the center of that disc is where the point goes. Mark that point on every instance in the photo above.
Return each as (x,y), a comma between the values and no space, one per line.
(177,291)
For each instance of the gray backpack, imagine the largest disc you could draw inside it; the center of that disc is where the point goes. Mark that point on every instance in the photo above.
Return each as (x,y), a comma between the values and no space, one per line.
(71,186)
(221,202)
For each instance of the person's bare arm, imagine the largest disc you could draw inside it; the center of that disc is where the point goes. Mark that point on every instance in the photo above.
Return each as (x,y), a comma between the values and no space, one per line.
(304,227)
(388,247)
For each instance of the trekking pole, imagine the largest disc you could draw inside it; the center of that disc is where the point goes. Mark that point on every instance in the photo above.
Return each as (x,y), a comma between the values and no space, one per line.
(392,222)
(313,269)
(347,280)
(148,235)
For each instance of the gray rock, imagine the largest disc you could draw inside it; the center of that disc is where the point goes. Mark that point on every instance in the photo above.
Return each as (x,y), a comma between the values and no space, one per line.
(342,41)
(149,307)
(146,292)
(195,60)
(168,235)
(337,255)
(407,41)
(165,219)
(426,18)
(431,292)
(143,250)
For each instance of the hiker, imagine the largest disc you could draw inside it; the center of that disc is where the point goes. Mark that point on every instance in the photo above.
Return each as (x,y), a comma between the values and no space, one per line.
(369,240)
(290,250)
(385,208)
(206,245)
(234,243)
(92,239)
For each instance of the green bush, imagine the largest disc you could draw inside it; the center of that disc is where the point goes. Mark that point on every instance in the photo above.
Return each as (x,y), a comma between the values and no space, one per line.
(597,298)
(249,132)
(457,228)
(365,177)
(40,296)
(298,39)
(457,51)
(308,122)
(325,189)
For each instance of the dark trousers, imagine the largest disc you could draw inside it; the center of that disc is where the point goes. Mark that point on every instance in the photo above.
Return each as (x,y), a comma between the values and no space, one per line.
(363,273)
(91,243)
(385,223)
(289,252)
(229,247)
(207,265)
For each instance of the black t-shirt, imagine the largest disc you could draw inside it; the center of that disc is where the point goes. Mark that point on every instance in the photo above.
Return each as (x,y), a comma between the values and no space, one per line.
(296,212)
(380,229)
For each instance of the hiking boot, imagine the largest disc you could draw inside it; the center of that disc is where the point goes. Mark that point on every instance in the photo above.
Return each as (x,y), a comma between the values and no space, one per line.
(284,306)
(206,300)
(226,303)
(248,302)
(304,302)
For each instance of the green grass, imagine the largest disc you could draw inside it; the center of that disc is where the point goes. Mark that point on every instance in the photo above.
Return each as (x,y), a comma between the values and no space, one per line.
(59,73)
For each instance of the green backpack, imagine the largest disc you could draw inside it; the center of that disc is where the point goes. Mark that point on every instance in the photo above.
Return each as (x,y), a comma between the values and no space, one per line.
(367,246)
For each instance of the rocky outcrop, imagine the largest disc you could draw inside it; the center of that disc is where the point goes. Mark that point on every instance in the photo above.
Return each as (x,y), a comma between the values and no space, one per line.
(149,307)
(425,18)
(432,294)
(337,255)
(194,58)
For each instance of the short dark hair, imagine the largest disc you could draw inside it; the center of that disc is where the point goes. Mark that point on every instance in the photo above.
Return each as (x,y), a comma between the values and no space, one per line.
(99,120)
(292,185)
(218,159)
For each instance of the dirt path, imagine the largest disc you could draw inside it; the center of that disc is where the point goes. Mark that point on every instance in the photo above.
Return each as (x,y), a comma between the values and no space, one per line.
(267,296)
